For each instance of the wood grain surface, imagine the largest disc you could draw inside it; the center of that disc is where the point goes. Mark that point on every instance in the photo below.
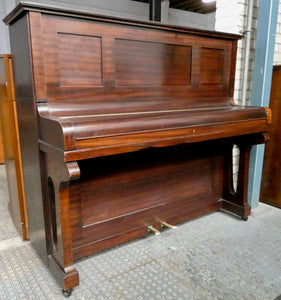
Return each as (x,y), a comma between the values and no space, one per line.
(11,147)
(271,174)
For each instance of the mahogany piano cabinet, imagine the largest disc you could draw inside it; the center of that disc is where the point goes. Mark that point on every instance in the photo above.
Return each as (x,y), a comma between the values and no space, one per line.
(124,126)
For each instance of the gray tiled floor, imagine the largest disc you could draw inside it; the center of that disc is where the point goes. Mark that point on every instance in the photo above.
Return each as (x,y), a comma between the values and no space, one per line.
(7,230)
(213,257)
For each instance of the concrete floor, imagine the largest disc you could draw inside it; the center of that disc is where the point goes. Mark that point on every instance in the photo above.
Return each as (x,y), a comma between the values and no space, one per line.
(213,257)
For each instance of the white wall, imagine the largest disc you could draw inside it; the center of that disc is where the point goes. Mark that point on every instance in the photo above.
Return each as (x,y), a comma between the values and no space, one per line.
(190,19)
(231,16)
(228,16)
(277,50)
(5,7)
(119,8)
(137,10)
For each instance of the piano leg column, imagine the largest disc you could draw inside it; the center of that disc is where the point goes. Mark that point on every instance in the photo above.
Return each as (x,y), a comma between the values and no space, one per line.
(58,176)
(237,201)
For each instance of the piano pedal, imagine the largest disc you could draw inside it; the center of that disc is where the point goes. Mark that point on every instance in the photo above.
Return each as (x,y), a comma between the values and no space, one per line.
(151,228)
(163,223)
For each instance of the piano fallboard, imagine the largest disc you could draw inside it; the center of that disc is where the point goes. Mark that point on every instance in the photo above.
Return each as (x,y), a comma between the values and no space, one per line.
(104,134)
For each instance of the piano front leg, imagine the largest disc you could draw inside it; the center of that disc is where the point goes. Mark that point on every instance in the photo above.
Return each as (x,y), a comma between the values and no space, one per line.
(58,176)
(236,201)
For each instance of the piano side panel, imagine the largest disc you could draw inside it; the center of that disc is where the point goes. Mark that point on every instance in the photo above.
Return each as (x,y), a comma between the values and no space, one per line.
(28,133)
(117,65)
(128,192)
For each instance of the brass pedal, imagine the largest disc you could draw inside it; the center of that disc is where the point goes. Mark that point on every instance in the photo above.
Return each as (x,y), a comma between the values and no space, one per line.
(168,225)
(151,228)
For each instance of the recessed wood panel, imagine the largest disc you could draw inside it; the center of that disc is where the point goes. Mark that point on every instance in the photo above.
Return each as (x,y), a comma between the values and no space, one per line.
(127,188)
(139,63)
(211,66)
(80,60)
(152,65)
(123,193)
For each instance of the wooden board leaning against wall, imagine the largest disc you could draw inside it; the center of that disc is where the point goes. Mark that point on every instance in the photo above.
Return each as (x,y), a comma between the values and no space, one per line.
(1,147)
(11,147)
(271,176)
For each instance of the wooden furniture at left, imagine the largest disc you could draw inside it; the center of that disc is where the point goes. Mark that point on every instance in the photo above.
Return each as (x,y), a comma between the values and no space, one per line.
(1,147)
(1,144)
(11,146)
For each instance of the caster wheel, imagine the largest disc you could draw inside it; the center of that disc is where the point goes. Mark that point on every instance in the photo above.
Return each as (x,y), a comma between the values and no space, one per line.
(245,218)
(67,293)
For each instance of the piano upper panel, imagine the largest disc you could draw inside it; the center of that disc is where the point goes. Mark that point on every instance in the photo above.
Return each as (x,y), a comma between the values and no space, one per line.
(117,65)
(106,86)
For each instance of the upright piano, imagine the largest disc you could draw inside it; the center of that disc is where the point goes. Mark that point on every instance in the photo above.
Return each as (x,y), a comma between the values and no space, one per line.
(126,127)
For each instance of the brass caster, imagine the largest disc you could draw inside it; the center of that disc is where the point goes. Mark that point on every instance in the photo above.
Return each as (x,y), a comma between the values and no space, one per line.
(67,293)
(151,228)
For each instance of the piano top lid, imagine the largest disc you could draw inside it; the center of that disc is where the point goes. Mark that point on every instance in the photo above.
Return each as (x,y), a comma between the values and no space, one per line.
(88,12)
